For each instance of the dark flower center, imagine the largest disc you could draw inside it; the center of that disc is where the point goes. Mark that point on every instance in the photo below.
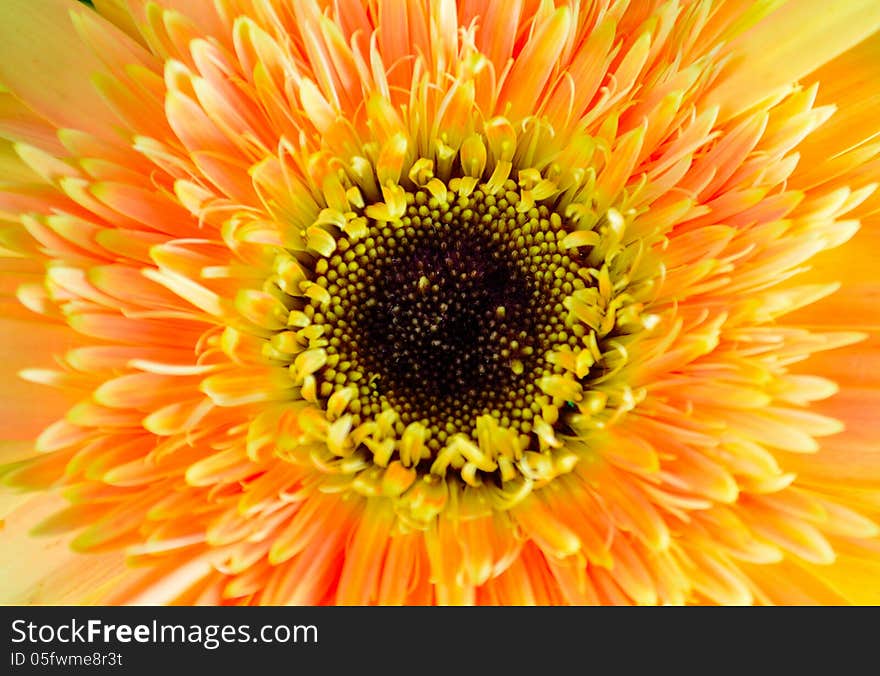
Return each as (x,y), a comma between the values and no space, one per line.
(451,313)
(449,316)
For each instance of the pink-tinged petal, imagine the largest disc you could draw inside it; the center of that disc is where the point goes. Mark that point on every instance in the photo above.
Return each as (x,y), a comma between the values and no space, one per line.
(19,123)
(853,456)
(209,18)
(162,584)
(503,21)
(150,332)
(142,390)
(27,408)
(41,571)
(41,71)
(114,48)
(147,207)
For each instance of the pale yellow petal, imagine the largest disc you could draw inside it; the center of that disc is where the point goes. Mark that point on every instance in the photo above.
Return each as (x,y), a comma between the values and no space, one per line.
(787,45)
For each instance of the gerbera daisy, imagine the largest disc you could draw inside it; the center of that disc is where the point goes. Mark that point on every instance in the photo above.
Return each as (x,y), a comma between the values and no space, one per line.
(434,302)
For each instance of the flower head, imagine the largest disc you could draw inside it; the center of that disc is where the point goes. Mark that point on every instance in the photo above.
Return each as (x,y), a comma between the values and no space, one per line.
(438,302)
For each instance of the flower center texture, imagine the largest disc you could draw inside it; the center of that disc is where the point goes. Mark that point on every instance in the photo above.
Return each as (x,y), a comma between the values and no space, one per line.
(451,313)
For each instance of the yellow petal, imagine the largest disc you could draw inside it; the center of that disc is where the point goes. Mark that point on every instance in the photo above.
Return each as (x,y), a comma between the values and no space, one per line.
(789,44)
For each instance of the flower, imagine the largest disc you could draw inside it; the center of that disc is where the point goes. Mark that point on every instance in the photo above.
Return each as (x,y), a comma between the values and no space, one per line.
(430,302)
